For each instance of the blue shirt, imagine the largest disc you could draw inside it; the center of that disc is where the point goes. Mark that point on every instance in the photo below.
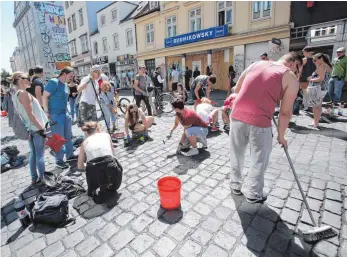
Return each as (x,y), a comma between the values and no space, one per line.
(59,95)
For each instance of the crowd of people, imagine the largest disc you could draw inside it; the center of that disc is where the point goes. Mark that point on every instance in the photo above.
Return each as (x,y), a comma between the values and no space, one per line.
(247,112)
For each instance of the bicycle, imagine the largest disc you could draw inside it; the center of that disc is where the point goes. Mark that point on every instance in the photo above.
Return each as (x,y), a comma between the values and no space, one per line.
(162,100)
(122,103)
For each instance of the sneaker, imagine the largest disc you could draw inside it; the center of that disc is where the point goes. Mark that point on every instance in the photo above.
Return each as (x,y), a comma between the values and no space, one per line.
(236,191)
(191,152)
(203,141)
(62,165)
(214,129)
(257,200)
(72,158)
(227,127)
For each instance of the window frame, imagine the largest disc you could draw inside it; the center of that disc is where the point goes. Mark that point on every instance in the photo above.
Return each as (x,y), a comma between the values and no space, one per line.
(73,43)
(126,37)
(114,9)
(195,17)
(103,45)
(102,16)
(115,46)
(85,42)
(149,31)
(171,25)
(151,6)
(225,9)
(69,24)
(95,43)
(74,23)
(261,10)
(80,12)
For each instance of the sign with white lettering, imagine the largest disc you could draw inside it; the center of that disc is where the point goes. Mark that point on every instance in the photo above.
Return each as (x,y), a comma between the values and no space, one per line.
(205,34)
(100,60)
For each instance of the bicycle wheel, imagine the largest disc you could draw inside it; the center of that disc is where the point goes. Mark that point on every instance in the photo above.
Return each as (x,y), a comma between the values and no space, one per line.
(165,101)
(123,104)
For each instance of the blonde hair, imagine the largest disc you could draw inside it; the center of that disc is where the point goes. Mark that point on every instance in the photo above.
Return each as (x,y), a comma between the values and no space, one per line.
(107,86)
(14,77)
(90,127)
(205,100)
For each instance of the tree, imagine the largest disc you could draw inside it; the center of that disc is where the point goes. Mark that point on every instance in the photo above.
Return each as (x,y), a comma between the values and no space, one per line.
(4,75)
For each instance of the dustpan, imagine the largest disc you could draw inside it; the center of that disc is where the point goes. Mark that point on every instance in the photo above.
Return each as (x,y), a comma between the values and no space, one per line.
(56,142)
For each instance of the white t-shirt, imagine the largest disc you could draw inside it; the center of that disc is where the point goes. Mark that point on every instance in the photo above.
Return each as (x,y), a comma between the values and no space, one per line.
(88,94)
(98,145)
(204,110)
(175,76)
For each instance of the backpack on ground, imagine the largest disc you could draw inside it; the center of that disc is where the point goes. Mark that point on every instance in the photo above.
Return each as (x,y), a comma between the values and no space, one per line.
(51,210)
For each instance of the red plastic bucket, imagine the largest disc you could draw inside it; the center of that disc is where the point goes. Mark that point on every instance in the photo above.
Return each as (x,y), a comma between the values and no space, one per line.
(170,192)
(56,142)
(3,113)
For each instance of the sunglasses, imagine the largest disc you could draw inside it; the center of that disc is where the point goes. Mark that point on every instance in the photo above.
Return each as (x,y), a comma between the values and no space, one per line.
(27,78)
(142,68)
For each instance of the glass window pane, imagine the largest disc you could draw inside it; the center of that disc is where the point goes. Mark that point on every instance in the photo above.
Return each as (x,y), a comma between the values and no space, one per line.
(174,31)
(169,31)
(198,12)
(192,14)
(228,16)
(198,22)
(266,13)
(174,19)
(151,26)
(221,5)
(229,3)
(168,21)
(152,36)
(192,25)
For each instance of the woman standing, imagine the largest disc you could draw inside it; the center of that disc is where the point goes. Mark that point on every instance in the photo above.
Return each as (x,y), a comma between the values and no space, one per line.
(231,77)
(34,119)
(72,98)
(318,86)
(107,105)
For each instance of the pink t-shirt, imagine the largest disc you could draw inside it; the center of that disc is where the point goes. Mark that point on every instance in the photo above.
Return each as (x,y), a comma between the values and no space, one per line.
(260,93)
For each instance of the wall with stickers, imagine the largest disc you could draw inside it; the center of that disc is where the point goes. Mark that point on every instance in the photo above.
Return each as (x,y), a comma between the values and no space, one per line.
(52,36)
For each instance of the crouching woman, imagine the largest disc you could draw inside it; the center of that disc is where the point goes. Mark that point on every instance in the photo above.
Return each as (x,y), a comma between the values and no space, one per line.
(103,171)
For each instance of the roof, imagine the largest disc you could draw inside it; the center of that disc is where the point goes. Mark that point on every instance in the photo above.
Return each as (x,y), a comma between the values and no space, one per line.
(114,3)
(129,16)
(146,10)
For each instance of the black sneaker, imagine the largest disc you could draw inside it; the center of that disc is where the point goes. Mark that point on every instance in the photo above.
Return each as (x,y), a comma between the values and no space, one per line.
(72,158)
(257,200)
(236,192)
(62,165)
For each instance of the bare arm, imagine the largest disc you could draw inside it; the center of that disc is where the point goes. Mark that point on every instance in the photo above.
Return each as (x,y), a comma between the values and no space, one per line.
(240,82)
(321,74)
(38,94)
(177,121)
(196,91)
(143,117)
(136,86)
(26,101)
(81,158)
(45,100)
(126,125)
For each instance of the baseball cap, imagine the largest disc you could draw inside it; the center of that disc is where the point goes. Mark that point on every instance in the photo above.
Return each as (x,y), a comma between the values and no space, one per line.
(142,66)
(96,68)
(341,49)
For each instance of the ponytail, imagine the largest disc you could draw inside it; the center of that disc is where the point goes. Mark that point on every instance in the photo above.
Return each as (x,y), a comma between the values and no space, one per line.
(326,59)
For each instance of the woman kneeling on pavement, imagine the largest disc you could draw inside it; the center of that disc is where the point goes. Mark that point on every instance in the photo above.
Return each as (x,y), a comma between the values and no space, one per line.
(195,129)
(34,119)
(132,122)
(103,171)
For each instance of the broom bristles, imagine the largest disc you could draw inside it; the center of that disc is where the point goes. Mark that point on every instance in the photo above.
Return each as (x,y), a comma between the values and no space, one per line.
(318,233)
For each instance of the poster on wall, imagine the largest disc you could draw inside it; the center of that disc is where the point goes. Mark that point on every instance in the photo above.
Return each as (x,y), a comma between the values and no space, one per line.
(196,64)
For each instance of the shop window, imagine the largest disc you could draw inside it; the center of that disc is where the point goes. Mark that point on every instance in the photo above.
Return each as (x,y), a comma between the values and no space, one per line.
(114,14)
(224,12)
(69,24)
(84,43)
(74,26)
(195,19)
(102,20)
(73,49)
(129,37)
(324,31)
(80,12)
(149,33)
(261,9)
(96,50)
(171,26)
(104,44)
(115,41)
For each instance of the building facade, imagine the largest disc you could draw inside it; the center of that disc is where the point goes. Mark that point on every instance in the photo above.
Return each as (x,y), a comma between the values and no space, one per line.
(16,60)
(215,34)
(42,38)
(81,20)
(114,42)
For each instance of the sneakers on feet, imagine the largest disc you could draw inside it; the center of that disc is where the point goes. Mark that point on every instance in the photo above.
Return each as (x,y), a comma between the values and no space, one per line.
(191,152)
(72,158)
(257,200)
(214,129)
(236,191)
(62,165)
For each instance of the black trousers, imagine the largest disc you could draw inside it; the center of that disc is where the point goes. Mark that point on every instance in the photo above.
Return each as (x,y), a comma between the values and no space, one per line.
(139,98)
(174,86)
(105,173)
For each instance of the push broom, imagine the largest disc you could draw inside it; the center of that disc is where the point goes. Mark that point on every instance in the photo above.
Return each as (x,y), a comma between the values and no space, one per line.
(317,233)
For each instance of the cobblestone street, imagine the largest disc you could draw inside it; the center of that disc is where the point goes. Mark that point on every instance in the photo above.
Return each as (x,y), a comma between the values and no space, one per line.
(215,223)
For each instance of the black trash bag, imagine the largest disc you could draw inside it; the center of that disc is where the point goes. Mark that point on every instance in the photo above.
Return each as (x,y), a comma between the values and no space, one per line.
(77,141)
(63,185)
(11,151)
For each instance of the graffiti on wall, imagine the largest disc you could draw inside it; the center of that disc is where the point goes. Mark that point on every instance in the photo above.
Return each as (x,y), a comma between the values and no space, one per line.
(45,7)
(239,64)
(178,66)
(57,20)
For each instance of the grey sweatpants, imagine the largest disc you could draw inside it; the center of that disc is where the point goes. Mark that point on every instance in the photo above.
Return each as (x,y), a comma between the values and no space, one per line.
(260,140)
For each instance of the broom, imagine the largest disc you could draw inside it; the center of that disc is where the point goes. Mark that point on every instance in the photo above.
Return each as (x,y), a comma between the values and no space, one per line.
(317,233)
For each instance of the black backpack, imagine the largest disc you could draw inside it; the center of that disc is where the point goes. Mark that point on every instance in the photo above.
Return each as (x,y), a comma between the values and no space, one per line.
(155,79)
(51,210)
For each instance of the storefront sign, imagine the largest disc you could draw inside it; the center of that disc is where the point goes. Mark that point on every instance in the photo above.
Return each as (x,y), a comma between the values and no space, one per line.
(206,34)
(61,65)
(124,57)
(126,62)
(100,60)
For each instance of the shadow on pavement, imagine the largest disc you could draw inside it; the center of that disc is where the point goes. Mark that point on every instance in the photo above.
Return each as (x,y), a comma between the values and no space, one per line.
(214,134)
(170,216)
(328,132)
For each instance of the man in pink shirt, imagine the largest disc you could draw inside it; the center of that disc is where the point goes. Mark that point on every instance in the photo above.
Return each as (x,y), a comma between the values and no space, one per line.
(260,88)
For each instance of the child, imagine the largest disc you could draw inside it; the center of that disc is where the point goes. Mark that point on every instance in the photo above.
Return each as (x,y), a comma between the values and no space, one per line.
(181,93)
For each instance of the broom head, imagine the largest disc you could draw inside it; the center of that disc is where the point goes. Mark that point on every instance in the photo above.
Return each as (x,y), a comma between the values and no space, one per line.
(318,233)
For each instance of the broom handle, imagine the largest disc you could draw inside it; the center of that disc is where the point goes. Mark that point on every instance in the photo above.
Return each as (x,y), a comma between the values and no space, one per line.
(297,180)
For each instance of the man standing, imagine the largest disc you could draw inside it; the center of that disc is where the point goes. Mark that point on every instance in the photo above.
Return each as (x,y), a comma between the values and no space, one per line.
(140,92)
(196,72)
(264,57)
(338,75)
(55,99)
(175,78)
(187,77)
(157,80)
(37,88)
(201,87)
(260,88)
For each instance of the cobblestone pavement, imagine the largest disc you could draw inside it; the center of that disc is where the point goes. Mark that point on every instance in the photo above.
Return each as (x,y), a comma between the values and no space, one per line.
(215,223)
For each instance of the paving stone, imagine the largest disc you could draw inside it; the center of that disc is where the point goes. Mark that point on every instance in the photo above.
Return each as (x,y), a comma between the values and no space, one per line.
(141,243)
(233,228)
(5,251)
(107,231)
(126,252)
(280,193)
(263,224)
(299,247)
(224,240)
(275,202)
(211,201)
(103,250)
(190,249)
(22,242)
(220,193)
(316,193)
(243,218)
(203,209)
(290,216)
(282,183)
(331,219)
(53,250)
(164,246)
(95,225)
(333,206)
(254,239)
(148,254)
(343,250)
(80,222)
(141,223)
(73,239)
(212,224)
(334,186)
(279,241)
(87,246)
(124,218)
(139,208)
(243,251)
(314,204)
(295,193)
(307,219)
(222,212)
(319,184)
(294,204)
(249,207)
(202,236)
(325,248)
(269,252)
(57,235)
(178,232)
(344,232)
(191,219)
(32,248)
(157,228)
(121,239)
(214,250)
(333,195)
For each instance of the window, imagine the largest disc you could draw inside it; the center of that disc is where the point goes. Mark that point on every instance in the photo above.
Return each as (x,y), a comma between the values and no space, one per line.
(195,19)
(224,12)
(84,43)
(104,44)
(66,4)
(261,9)
(171,26)
(102,20)
(149,34)
(80,12)
(153,4)
(73,49)
(114,14)
(129,37)
(115,41)
(324,31)
(74,26)
(96,50)
(69,24)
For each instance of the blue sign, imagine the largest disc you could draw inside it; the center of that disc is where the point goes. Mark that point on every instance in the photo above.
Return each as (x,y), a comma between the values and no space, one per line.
(205,34)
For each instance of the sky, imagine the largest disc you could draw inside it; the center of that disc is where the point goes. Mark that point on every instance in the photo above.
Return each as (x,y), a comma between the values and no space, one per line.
(8,38)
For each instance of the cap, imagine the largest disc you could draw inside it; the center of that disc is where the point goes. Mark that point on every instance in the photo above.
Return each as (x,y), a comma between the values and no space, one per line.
(341,49)
(96,68)
(264,54)
(142,66)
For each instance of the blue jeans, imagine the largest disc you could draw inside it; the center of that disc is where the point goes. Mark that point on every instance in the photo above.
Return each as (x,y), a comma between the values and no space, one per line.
(63,128)
(36,157)
(109,115)
(335,89)
(73,107)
